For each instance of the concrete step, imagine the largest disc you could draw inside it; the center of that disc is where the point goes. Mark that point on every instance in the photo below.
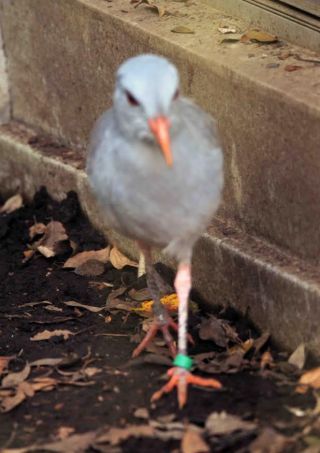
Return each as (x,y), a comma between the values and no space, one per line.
(61,56)
(279,292)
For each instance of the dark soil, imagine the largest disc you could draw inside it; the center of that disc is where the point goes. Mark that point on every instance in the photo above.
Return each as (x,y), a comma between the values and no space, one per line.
(120,388)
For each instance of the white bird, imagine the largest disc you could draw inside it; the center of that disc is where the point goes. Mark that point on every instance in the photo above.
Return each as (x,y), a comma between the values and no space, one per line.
(156,167)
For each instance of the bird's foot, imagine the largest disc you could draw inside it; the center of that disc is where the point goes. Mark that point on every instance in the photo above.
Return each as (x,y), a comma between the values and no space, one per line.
(152,332)
(181,378)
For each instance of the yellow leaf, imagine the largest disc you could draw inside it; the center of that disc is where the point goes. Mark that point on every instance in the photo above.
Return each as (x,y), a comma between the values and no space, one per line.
(170,301)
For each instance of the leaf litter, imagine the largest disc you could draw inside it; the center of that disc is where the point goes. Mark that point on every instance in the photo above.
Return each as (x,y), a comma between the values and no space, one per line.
(224,350)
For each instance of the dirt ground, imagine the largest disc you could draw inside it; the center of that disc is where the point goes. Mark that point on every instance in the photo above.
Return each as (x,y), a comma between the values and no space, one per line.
(96,385)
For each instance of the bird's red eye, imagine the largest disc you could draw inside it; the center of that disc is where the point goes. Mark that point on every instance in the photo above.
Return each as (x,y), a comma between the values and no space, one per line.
(176,95)
(132,100)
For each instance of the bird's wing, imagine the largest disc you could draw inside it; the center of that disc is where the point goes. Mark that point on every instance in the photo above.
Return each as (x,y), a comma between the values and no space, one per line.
(98,134)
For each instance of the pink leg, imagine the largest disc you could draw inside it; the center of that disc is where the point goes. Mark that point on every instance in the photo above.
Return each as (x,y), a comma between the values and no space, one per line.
(180,377)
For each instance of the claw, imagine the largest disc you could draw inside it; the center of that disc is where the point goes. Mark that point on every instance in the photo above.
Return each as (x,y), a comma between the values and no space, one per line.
(181,378)
(152,332)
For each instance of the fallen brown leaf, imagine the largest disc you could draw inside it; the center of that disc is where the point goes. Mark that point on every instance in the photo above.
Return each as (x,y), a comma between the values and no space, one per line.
(160,10)
(261,341)
(269,441)
(34,304)
(311,379)
(218,331)
(36,229)
(266,360)
(193,442)
(77,260)
(10,402)
(258,36)
(47,362)
(77,443)
(141,412)
(73,303)
(50,243)
(4,362)
(47,334)
(211,329)
(114,435)
(14,379)
(119,260)
(91,268)
(221,423)
(12,204)
(139,295)
(182,29)
(64,432)
(115,293)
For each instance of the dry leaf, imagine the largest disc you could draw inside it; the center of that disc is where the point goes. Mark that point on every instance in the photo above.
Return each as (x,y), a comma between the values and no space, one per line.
(119,261)
(49,244)
(91,268)
(260,342)
(47,362)
(14,379)
(266,360)
(292,67)
(218,331)
(73,303)
(139,295)
(36,229)
(158,9)
(221,423)
(114,435)
(115,293)
(182,29)
(310,378)
(47,334)
(258,36)
(269,441)
(193,442)
(10,402)
(298,357)
(226,30)
(91,371)
(12,204)
(34,304)
(77,443)
(64,432)
(4,362)
(77,260)
(141,412)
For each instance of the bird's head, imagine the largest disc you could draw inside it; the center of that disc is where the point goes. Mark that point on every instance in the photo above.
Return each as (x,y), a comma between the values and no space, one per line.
(147,88)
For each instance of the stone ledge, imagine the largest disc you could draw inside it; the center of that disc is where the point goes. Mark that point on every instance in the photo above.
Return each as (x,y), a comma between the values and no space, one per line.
(61,76)
(280,293)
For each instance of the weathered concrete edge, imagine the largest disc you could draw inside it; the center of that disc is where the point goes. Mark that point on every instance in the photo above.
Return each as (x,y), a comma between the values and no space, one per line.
(4,86)
(227,270)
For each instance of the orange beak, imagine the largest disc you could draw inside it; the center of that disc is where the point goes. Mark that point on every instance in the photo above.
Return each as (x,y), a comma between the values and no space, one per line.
(160,128)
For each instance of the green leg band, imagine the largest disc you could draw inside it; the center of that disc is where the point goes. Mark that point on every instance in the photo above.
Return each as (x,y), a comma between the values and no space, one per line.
(183,361)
